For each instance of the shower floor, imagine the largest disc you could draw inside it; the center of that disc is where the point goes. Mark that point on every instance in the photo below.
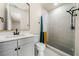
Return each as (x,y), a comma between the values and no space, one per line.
(49,52)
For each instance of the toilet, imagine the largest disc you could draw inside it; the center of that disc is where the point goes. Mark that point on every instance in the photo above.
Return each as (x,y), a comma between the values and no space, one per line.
(40,48)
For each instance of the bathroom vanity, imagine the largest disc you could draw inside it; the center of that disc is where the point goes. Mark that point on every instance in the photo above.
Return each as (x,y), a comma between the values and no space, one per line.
(17,45)
(17,17)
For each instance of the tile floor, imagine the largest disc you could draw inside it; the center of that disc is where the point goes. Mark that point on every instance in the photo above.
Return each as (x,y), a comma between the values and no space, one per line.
(49,52)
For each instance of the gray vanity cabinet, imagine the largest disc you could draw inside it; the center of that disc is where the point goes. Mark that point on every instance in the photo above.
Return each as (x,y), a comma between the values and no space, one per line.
(20,47)
(8,48)
(26,46)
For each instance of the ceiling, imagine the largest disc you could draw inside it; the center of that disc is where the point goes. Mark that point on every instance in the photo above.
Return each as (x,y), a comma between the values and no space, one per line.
(51,6)
(23,6)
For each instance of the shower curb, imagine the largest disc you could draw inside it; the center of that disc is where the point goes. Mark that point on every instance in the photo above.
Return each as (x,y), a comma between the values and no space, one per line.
(59,52)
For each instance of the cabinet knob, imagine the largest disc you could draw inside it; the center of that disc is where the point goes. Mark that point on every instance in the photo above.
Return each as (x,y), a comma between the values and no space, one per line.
(16,49)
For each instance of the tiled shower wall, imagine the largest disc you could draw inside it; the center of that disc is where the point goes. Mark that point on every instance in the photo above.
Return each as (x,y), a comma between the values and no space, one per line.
(60,34)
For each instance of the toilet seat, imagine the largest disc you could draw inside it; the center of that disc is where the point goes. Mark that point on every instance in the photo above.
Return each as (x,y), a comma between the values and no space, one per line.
(40,46)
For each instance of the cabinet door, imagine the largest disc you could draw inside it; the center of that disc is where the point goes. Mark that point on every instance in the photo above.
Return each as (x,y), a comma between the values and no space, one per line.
(26,47)
(8,48)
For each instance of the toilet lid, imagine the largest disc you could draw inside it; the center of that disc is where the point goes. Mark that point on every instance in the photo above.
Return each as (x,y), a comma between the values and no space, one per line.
(40,45)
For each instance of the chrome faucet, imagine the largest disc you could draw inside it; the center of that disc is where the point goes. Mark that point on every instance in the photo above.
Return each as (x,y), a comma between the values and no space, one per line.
(16,32)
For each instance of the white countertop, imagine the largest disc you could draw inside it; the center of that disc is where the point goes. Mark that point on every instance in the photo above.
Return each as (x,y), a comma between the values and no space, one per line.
(8,36)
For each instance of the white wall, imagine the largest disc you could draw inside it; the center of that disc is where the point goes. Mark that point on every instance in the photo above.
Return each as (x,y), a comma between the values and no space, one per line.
(2,14)
(36,11)
(45,19)
(77,33)
(35,14)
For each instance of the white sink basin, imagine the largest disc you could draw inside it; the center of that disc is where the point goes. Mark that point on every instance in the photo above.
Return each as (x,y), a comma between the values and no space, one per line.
(9,36)
(13,36)
(19,36)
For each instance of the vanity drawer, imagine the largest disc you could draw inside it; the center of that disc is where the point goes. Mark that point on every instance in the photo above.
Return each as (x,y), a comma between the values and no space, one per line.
(4,46)
(25,41)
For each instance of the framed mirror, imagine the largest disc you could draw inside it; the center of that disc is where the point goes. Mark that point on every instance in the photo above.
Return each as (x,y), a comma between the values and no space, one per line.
(2,16)
(18,16)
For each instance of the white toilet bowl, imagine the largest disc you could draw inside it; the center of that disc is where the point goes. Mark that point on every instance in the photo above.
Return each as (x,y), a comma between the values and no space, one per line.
(40,47)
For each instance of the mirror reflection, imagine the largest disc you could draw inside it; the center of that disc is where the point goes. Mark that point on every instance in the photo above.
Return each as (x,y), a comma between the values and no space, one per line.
(16,17)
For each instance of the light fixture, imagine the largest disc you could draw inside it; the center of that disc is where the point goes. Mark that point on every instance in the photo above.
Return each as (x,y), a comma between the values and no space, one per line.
(55,4)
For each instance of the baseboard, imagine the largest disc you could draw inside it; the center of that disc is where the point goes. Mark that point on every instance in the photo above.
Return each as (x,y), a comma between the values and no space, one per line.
(61,53)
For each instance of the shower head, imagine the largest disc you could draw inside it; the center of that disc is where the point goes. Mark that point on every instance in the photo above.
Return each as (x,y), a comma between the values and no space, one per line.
(69,12)
(71,8)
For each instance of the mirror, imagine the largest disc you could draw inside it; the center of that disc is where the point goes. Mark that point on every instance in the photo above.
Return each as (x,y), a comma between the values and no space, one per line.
(2,16)
(15,16)
(18,16)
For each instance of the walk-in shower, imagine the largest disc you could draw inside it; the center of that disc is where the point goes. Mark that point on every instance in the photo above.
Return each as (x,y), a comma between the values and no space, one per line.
(61,33)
